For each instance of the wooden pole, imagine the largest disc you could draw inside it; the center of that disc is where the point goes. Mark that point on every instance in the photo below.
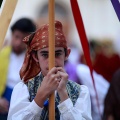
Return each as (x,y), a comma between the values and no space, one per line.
(51,54)
(5,18)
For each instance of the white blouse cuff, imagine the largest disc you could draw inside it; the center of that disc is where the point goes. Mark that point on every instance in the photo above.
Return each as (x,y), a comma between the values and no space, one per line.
(34,108)
(65,105)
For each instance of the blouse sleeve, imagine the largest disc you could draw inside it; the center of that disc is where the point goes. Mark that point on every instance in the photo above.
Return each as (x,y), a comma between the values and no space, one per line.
(20,106)
(81,110)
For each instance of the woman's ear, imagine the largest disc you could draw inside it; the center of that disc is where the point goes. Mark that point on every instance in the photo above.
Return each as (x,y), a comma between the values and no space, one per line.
(67,53)
(34,55)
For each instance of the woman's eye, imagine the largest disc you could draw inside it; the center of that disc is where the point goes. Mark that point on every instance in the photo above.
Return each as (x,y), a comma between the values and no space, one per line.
(57,54)
(45,55)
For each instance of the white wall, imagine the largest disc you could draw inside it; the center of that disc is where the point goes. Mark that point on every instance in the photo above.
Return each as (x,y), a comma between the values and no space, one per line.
(99,18)
(98,15)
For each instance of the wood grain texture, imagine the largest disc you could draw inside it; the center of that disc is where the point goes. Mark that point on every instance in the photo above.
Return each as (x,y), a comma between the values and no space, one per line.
(5,18)
(51,54)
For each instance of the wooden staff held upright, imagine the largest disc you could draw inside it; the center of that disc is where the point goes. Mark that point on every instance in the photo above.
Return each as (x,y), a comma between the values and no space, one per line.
(5,19)
(51,54)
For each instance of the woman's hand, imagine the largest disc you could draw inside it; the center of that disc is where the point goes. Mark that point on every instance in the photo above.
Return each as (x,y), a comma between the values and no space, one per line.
(62,85)
(49,84)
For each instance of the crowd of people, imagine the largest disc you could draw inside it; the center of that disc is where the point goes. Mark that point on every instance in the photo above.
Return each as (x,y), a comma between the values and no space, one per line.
(11,59)
(106,64)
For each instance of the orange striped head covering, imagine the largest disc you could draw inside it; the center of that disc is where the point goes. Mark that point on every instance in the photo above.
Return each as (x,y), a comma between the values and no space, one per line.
(35,42)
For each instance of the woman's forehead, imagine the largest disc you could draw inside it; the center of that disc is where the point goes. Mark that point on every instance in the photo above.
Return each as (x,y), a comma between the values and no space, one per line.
(47,49)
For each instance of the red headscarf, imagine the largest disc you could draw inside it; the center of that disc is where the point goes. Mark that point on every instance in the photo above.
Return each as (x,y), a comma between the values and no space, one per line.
(35,42)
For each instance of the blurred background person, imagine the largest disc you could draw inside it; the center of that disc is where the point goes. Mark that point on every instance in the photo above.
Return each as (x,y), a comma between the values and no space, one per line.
(112,100)
(107,61)
(11,59)
(101,84)
(104,58)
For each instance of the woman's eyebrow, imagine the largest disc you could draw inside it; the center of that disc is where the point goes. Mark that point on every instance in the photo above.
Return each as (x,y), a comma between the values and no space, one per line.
(46,52)
(58,51)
